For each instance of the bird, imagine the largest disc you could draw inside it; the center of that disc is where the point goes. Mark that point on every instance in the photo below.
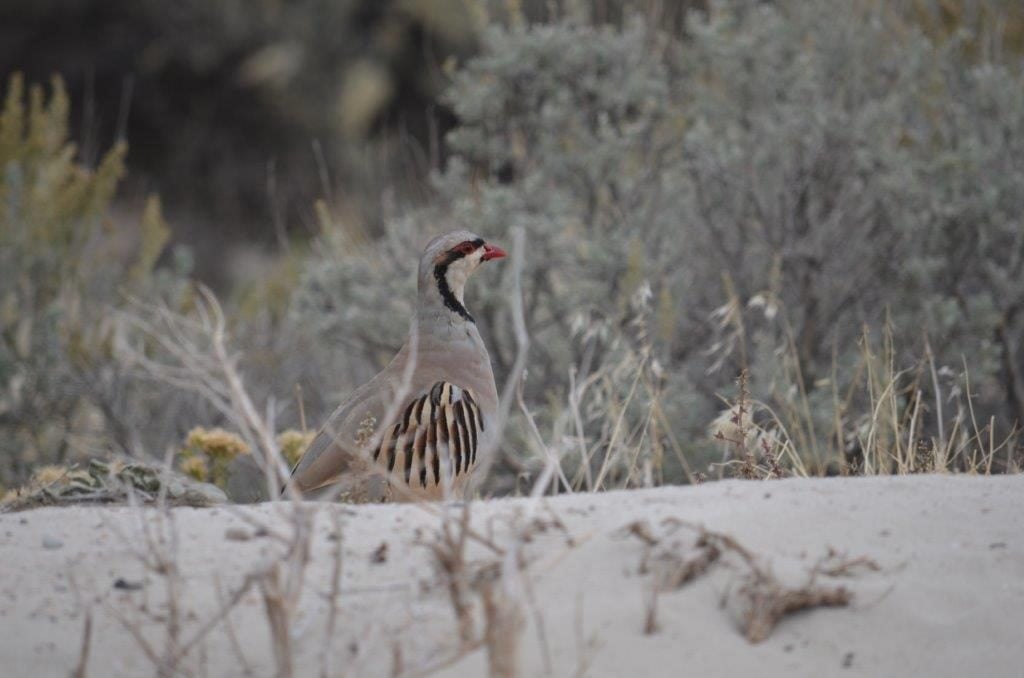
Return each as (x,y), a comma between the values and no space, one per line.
(417,429)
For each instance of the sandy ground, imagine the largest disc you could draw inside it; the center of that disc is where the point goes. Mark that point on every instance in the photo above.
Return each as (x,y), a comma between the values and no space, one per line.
(947,601)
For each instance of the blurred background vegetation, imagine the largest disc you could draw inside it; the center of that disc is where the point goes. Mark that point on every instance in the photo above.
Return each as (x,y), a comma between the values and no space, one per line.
(824,195)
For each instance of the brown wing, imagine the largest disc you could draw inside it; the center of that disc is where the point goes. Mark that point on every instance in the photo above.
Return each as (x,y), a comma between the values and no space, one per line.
(436,437)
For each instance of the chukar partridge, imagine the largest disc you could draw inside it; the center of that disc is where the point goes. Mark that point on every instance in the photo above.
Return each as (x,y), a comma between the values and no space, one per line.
(415,431)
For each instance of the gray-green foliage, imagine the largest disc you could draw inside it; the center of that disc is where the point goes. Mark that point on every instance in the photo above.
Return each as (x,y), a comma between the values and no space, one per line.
(65,268)
(781,176)
(973,277)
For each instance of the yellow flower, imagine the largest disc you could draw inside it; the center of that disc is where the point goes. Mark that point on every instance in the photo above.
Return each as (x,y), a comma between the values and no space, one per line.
(195,467)
(293,443)
(216,443)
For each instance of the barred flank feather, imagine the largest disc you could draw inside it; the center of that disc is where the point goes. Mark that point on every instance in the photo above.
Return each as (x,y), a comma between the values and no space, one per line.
(438,432)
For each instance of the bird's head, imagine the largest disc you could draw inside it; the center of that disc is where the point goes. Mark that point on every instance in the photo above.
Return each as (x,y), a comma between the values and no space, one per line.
(447,262)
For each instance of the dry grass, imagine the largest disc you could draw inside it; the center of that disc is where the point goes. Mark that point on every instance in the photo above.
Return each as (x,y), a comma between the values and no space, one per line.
(496,587)
(193,353)
(279,579)
(754,451)
(887,421)
(613,431)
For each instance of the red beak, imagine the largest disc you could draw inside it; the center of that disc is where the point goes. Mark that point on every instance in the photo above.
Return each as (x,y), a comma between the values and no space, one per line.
(492,252)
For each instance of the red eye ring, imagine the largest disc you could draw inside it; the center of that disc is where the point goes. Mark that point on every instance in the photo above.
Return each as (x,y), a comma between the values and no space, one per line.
(466,247)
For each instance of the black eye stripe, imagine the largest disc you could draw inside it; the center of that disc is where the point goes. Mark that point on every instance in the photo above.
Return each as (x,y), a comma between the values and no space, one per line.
(454,254)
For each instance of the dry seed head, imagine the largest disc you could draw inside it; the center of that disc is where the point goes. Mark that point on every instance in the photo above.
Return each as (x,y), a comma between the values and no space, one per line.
(366,428)
(731,424)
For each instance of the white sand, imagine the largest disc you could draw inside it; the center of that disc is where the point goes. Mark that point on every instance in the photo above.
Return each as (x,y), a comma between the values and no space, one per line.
(949,600)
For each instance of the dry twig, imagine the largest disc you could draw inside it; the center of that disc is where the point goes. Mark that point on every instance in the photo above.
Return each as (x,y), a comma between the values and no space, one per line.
(765,599)
(80,670)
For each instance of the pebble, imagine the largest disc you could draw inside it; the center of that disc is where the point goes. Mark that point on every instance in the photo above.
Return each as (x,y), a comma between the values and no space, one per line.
(124,585)
(52,542)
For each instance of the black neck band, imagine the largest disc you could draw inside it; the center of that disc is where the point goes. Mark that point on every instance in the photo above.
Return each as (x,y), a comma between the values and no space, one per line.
(441,276)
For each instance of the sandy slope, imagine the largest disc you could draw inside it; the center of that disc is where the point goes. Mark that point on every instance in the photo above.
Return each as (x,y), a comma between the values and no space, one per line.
(949,600)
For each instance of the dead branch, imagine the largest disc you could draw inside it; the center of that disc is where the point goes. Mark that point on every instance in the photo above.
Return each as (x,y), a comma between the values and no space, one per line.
(229,628)
(275,604)
(332,613)
(450,553)
(502,631)
(675,572)
(765,599)
(768,602)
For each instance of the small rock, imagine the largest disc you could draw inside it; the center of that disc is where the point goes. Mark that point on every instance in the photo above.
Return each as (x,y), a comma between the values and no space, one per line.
(175,488)
(200,494)
(847,660)
(237,534)
(52,543)
(122,584)
(380,554)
